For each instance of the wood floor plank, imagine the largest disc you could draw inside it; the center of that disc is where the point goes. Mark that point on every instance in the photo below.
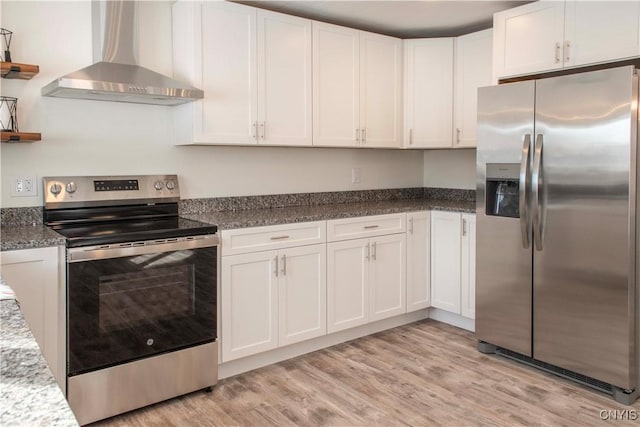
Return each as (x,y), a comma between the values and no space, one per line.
(423,374)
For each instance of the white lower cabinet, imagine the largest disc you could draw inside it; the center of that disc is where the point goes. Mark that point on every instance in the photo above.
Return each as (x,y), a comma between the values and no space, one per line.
(370,268)
(418,260)
(468,267)
(275,297)
(453,262)
(249,304)
(39,286)
(302,290)
(387,281)
(347,284)
(366,277)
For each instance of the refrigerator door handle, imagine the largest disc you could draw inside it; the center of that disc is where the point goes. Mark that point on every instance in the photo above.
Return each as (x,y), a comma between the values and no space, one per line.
(525,219)
(535,190)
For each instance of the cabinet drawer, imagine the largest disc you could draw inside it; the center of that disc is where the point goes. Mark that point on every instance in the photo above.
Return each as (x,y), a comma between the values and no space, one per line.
(365,226)
(255,239)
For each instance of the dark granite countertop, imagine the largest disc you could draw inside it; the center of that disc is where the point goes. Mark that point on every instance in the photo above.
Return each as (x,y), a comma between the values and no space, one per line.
(28,237)
(30,395)
(259,217)
(36,236)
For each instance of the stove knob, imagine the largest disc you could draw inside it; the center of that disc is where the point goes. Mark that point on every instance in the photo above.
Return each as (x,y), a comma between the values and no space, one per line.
(55,188)
(158,185)
(71,187)
(170,185)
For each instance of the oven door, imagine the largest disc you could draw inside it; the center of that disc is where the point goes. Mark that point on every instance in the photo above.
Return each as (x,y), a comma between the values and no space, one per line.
(133,300)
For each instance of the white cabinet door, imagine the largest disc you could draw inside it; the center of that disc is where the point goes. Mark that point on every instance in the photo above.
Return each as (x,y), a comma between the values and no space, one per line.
(34,277)
(445,260)
(302,293)
(528,39)
(387,284)
(380,90)
(598,31)
(468,267)
(225,68)
(428,93)
(347,284)
(284,79)
(418,260)
(336,80)
(249,304)
(473,69)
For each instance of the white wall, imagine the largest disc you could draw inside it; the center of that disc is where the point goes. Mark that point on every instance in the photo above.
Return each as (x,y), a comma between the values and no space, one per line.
(91,137)
(450,168)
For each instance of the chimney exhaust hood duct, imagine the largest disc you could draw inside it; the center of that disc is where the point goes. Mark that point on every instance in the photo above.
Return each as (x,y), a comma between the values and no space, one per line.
(118,77)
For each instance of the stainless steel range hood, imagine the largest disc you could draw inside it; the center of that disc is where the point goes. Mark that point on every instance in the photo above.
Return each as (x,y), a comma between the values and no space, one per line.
(118,77)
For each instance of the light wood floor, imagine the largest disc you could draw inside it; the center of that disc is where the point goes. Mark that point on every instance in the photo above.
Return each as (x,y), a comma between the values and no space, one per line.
(425,373)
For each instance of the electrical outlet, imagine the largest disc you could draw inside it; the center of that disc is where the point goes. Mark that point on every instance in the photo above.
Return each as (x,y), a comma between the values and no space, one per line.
(23,186)
(355,175)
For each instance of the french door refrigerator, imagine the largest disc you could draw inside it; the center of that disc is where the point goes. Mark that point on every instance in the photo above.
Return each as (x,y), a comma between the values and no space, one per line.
(557,229)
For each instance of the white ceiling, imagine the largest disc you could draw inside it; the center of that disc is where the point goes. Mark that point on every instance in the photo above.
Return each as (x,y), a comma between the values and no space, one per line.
(399,18)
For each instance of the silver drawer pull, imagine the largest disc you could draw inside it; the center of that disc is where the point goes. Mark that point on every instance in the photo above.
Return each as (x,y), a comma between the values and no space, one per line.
(279,237)
(368,227)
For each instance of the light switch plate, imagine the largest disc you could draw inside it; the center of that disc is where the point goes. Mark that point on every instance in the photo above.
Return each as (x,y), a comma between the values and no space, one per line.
(355,175)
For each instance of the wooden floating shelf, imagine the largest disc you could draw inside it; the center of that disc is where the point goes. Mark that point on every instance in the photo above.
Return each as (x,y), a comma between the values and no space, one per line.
(14,70)
(20,137)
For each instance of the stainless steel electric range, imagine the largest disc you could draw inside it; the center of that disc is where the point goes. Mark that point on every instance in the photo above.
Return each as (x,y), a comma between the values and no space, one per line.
(141,292)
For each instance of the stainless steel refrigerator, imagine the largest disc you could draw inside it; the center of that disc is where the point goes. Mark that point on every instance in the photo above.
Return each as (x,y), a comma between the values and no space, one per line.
(557,228)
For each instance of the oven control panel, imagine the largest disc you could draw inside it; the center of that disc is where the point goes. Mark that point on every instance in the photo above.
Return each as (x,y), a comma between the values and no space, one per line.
(116,185)
(77,191)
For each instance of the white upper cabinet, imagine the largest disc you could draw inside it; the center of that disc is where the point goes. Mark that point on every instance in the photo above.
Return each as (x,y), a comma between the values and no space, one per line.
(528,39)
(473,69)
(255,69)
(597,31)
(357,88)
(284,79)
(428,93)
(214,49)
(380,90)
(336,85)
(550,35)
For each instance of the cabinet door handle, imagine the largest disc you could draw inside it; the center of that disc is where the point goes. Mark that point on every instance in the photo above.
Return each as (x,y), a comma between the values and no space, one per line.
(411,136)
(368,254)
(374,250)
(364,138)
(369,227)
(253,132)
(262,130)
(464,227)
(280,237)
(284,265)
(557,53)
(357,136)
(411,225)
(457,135)
(276,270)
(567,51)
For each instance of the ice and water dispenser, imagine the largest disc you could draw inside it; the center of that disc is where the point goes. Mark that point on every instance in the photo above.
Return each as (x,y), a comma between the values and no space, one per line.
(503,189)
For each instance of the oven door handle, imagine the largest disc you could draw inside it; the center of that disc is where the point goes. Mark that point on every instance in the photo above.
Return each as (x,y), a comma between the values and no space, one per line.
(119,250)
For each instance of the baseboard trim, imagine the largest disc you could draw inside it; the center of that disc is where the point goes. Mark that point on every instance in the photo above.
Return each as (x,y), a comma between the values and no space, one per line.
(452,319)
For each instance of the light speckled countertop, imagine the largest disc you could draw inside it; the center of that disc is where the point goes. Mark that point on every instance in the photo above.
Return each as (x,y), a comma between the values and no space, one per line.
(259,217)
(29,395)
(28,237)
